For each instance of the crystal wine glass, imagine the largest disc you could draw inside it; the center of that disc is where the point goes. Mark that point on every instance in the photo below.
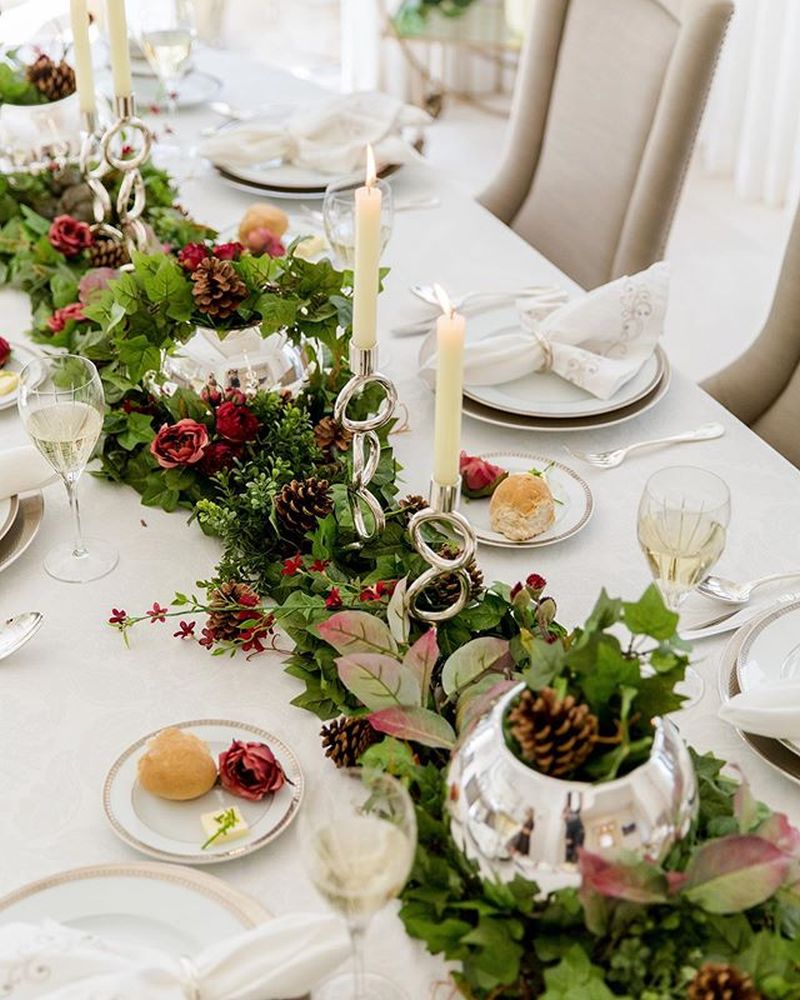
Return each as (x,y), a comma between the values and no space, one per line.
(61,403)
(166,30)
(683,518)
(339,218)
(359,835)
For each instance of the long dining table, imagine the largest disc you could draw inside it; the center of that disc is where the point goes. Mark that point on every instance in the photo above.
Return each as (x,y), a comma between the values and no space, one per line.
(75,696)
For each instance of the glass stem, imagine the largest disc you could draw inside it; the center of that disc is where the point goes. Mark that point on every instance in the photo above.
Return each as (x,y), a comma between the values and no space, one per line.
(357,933)
(79,549)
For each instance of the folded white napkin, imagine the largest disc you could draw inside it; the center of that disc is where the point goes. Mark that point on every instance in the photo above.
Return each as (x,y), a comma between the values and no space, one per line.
(598,342)
(330,136)
(23,469)
(769,710)
(280,959)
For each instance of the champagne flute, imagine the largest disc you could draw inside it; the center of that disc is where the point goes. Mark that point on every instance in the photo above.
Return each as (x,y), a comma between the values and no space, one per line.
(683,519)
(61,403)
(166,34)
(359,834)
(339,218)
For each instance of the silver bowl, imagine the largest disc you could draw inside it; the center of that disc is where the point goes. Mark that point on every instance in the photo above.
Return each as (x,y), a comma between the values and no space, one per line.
(242,359)
(515,821)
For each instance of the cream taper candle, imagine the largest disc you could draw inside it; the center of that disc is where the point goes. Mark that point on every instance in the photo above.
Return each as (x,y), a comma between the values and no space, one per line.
(449,386)
(366,271)
(118,41)
(82,55)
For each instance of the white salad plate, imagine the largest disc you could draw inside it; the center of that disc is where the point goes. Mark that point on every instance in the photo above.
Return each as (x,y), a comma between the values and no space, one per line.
(172,831)
(545,394)
(770,652)
(20,356)
(574,502)
(175,909)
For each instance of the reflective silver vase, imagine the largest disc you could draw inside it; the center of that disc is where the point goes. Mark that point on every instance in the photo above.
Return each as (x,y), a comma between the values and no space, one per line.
(515,821)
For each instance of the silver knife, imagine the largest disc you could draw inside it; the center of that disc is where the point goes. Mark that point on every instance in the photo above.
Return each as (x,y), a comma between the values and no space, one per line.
(734,620)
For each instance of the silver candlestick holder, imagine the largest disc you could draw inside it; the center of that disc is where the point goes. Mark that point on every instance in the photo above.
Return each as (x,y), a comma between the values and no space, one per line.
(99,156)
(443,515)
(365,444)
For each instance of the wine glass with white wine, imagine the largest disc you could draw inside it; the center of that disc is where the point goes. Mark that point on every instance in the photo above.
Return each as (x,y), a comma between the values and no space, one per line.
(683,520)
(61,403)
(166,31)
(359,835)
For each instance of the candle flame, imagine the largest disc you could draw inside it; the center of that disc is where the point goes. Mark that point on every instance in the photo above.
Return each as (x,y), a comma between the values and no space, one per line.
(372,173)
(444,300)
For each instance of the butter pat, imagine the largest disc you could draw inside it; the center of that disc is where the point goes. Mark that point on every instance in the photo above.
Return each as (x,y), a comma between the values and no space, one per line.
(8,382)
(223,825)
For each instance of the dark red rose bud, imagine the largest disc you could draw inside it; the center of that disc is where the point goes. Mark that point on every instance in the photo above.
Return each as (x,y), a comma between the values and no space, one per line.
(229,251)
(236,423)
(218,456)
(478,477)
(191,255)
(5,351)
(250,770)
(69,236)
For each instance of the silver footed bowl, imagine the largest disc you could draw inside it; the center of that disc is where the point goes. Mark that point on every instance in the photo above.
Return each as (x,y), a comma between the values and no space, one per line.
(515,821)
(241,359)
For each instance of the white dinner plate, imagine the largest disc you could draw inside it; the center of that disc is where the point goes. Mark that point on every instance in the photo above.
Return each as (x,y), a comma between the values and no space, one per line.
(192,90)
(171,831)
(175,909)
(574,501)
(488,415)
(770,652)
(545,394)
(8,514)
(23,530)
(20,356)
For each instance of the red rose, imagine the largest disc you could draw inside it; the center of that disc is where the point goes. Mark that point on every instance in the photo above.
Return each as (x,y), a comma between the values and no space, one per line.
(191,255)
(536,583)
(250,770)
(60,318)
(229,251)
(262,240)
(5,351)
(219,455)
(69,235)
(183,443)
(236,423)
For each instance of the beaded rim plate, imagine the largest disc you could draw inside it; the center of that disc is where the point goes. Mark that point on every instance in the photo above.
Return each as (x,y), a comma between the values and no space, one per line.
(574,501)
(171,831)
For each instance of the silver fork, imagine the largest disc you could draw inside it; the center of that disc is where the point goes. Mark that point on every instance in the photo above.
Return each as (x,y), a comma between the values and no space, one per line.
(610,459)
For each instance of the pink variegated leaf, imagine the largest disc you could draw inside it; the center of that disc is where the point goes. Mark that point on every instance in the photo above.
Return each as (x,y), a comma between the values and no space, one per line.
(357,632)
(777,829)
(733,873)
(478,699)
(421,659)
(419,725)
(607,882)
(473,659)
(745,807)
(378,681)
(397,613)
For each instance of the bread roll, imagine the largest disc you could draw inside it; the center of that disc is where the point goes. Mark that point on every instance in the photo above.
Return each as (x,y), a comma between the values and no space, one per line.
(522,507)
(177,765)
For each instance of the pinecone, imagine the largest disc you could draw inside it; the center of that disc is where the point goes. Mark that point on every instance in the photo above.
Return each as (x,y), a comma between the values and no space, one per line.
(444,591)
(715,981)
(344,740)
(555,736)
(218,289)
(107,253)
(77,201)
(225,620)
(300,505)
(331,437)
(54,80)
(413,504)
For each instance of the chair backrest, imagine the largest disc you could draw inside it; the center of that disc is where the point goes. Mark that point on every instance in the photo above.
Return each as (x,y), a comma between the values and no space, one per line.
(762,387)
(607,104)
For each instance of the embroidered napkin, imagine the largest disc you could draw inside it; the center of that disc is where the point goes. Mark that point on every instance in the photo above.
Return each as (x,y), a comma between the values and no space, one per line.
(598,342)
(23,469)
(330,136)
(770,710)
(282,958)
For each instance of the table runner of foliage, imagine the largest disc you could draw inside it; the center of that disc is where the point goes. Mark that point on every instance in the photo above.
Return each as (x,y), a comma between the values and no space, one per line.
(721,913)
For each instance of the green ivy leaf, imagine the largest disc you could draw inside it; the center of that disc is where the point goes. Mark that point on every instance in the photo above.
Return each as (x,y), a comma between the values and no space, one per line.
(650,616)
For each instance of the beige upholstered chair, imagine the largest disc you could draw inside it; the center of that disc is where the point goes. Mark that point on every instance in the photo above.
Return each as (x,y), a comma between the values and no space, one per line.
(762,387)
(607,105)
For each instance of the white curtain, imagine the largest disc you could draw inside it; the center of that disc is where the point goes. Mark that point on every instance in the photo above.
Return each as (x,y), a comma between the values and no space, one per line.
(751,130)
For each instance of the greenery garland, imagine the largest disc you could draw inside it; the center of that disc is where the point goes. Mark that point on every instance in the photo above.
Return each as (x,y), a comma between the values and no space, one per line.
(726,894)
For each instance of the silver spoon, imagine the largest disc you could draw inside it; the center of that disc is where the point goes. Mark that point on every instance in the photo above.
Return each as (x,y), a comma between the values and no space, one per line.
(428,294)
(730,592)
(610,459)
(226,110)
(15,632)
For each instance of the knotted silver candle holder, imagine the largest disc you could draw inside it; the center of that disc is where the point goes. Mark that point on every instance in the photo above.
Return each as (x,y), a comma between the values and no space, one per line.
(441,514)
(98,157)
(365,444)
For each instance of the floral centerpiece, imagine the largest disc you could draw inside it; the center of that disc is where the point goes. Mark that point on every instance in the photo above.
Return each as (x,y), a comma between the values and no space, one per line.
(42,81)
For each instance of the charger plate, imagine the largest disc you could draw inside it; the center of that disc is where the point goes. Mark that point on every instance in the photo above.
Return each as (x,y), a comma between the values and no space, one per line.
(175,909)
(23,530)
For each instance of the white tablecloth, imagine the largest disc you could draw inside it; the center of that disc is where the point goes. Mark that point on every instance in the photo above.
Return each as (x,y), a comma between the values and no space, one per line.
(75,697)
